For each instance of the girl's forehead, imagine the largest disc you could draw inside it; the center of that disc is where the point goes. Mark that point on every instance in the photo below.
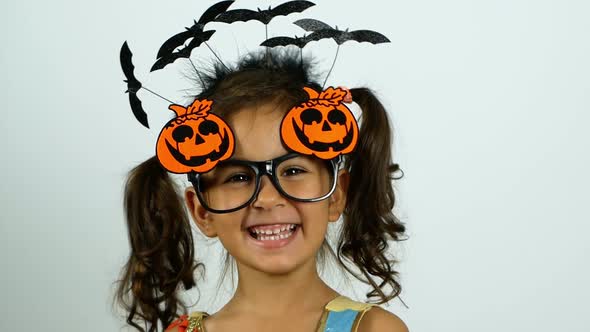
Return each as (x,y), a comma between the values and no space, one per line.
(257,132)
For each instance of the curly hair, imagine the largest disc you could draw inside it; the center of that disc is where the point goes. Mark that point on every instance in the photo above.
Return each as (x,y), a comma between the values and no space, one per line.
(162,251)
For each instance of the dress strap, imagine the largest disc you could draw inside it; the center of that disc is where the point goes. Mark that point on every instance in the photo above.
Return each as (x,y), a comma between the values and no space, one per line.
(189,323)
(195,320)
(343,315)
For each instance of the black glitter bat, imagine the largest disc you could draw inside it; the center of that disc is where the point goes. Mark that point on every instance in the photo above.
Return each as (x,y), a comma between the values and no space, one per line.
(133,85)
(179,39)
(300,41)
(264,16)
(185,52)
(360,36)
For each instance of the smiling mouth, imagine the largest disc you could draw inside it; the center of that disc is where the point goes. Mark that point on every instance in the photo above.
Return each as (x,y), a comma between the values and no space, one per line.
(273,235)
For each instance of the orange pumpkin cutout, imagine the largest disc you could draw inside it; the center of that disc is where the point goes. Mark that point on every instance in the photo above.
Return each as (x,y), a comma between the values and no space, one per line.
(322,126)
(194,141)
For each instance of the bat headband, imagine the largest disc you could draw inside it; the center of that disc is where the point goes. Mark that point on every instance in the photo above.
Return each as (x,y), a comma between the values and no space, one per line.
(195,140)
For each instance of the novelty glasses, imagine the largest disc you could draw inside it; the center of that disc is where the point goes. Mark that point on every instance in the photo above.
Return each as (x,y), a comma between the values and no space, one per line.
(233,184)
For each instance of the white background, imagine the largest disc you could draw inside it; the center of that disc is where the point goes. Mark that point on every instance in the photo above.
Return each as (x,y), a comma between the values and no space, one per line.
(490,103)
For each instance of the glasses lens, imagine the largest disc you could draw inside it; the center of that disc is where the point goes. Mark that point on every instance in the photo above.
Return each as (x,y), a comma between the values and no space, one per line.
(230,185)
(227,186)
(305,177)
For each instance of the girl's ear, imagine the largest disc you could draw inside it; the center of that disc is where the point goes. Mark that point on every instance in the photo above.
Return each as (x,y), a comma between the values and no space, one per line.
(201,216)
(337,202)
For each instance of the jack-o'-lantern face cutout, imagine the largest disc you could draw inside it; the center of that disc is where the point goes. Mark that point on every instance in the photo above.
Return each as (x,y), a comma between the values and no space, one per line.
(322,126)
(194,141)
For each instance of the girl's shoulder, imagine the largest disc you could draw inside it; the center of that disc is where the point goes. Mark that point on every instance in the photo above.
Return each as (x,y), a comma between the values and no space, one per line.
(188,323)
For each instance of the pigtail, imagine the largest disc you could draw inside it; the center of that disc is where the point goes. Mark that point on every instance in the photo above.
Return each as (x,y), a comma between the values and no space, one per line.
(369,222)
(161,248)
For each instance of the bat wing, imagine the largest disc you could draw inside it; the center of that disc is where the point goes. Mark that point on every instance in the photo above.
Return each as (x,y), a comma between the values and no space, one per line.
(210,14)
(170,58)
(125,56)
(164,61)
(309,24)
(179,39)
(280,41)
(184,52)
(200,38)
(133,85)
(291,7)
(238,15)
(367,36)
(323,34)
(137,110)
(173,42)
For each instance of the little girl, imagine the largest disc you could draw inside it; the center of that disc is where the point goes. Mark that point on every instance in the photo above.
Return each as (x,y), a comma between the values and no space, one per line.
(270,207)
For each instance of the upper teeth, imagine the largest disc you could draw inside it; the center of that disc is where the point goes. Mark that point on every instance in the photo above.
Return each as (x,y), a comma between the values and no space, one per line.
(274,231)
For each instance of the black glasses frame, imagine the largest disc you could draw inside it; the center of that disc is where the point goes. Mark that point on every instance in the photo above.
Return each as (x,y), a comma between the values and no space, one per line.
(261,168)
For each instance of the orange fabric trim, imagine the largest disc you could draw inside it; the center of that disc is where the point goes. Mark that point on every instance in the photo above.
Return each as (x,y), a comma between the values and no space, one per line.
(181,322)
(189,323)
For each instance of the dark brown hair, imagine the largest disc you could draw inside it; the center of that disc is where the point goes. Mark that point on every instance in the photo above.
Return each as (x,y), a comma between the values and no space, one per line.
(162,252)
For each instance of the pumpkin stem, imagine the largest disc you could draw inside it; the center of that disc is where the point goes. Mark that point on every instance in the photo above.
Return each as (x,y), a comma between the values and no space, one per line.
(333,95)
(311,92)
(200,107)
(178,109)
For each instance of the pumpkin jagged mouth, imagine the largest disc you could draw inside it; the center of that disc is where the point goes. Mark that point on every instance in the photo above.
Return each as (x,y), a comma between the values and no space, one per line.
(200,160)
(321,146)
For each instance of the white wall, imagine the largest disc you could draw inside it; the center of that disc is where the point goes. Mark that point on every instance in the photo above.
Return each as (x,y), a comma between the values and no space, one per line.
(489,101)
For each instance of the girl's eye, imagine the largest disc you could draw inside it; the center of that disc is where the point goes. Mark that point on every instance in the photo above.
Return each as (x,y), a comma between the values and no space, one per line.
(293,171)
(238,178)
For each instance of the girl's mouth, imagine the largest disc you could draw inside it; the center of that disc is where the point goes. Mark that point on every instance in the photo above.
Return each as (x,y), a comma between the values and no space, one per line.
(278,236)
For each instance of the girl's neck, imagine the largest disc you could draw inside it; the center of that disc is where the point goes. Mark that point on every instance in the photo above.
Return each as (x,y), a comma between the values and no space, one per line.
(264,295)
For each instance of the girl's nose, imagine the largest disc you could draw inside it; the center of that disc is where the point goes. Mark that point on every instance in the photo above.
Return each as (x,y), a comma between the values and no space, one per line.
(268,196)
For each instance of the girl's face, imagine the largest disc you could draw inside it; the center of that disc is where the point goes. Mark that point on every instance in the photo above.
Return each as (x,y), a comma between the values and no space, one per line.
(257,133)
